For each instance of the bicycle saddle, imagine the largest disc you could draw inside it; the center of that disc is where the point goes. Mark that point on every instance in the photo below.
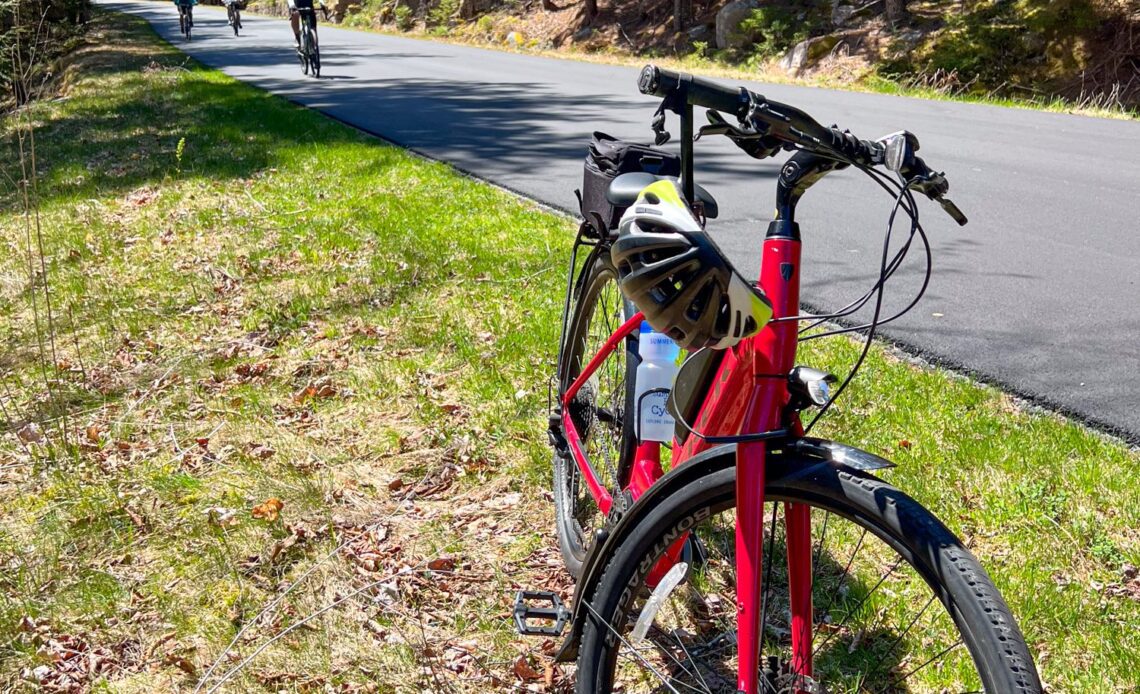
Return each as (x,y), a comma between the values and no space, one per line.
(623,190)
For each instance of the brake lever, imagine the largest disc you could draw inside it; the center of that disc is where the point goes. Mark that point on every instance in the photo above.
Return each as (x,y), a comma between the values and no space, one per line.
(935,186)
(753,143)
(952,210)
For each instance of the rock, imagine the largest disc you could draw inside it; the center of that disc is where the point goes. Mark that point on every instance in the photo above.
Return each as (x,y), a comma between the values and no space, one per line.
(583,33)
(340,9)
(795,59)
(728,20)
(840,13)
(699,33)
(810,51)
(515,39)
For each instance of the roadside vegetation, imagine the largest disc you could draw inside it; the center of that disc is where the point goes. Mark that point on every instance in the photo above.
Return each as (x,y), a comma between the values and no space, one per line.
(1067,55)
(265,378)
(33,35)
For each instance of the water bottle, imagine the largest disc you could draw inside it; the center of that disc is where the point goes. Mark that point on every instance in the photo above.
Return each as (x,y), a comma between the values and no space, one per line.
(654,380)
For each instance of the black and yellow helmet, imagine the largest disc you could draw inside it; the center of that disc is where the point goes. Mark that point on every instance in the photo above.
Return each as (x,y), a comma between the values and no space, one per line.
(673,272)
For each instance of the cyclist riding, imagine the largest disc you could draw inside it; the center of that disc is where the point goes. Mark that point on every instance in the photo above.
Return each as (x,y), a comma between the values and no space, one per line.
(295,6)
(185,15)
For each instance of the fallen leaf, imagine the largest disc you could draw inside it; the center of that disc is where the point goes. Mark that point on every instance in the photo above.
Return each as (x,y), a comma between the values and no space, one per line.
(31,433)
(182,664)
(262,452)
(268,510)
(904,444)
(442,564)
(396,485)
(94,434)
(524,671)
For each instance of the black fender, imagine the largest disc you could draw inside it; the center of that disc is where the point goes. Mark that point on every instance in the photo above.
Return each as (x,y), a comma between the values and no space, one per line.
(791,459)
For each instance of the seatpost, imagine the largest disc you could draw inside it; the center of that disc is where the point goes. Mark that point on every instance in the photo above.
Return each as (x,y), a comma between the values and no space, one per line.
(687,184)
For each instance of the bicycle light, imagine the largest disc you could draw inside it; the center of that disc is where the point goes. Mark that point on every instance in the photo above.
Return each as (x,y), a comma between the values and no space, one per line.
(809,386)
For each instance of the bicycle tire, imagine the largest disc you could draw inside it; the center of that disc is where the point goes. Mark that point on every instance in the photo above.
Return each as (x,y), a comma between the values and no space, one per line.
(315,60)
(595,286)
(236,21)
(304,49)
(973,607)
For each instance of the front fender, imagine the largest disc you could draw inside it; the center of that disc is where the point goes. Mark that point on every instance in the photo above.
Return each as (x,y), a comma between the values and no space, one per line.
(789,459)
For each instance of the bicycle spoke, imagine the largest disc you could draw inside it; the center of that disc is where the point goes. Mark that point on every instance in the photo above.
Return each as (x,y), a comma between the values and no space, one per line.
(768,573)
(839,627)
(930,660)
(900,637)
(627,644)
(846,570)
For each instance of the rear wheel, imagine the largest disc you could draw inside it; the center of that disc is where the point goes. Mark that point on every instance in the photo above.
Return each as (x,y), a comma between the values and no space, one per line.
(315,59)
(602,411)
(899,603)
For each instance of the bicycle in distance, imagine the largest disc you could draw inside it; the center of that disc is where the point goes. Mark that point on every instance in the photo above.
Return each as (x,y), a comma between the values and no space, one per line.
(186,17)
(717,545)
(303,17)
(233,14)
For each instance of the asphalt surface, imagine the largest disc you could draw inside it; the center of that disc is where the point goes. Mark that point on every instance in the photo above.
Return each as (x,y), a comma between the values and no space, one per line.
(1039,294)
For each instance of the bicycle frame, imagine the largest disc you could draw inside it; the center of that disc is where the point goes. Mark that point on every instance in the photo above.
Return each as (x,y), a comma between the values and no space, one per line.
(749,395)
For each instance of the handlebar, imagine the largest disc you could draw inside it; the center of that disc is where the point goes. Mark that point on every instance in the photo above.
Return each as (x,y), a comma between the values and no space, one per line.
(792,128)
(785,122)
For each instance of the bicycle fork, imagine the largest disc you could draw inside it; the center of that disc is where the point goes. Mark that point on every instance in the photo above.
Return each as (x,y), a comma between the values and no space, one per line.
(772,358)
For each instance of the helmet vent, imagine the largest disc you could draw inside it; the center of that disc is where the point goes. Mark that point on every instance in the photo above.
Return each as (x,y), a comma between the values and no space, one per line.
(697,307)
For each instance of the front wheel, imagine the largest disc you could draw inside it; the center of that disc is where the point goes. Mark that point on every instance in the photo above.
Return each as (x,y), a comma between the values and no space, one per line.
(315,59)
(236,21)
(899,603)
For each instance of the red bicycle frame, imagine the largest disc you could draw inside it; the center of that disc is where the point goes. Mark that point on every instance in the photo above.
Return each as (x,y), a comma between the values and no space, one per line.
(748,395)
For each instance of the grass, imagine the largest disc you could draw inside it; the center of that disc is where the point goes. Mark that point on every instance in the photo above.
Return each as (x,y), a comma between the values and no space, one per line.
(252,302)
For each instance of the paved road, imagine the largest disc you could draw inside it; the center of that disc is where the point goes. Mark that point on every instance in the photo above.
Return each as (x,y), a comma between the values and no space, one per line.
(1040,293)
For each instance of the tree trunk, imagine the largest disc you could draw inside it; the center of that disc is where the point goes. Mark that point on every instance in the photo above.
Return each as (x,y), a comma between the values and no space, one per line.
(896,11)
(679,15)
(591,10)
(549,6)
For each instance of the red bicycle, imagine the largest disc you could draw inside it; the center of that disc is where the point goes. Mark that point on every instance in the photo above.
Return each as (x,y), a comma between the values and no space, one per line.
(764,559)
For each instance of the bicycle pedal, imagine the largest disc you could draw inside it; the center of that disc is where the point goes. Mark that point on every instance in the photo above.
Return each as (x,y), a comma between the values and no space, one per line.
(542,606)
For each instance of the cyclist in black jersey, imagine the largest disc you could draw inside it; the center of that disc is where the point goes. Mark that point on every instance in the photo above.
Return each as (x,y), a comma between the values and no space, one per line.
(295,16)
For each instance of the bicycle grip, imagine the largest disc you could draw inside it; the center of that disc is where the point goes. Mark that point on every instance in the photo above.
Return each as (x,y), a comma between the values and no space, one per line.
(660,82)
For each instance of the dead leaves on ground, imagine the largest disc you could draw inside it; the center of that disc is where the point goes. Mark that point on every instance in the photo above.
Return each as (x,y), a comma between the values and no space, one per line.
(268,510)
(69,663)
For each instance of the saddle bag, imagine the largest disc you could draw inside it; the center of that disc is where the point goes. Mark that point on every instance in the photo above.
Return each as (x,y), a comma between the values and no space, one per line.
(607,158)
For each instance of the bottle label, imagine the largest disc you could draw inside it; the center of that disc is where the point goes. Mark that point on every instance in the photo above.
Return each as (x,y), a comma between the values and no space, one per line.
(656,424)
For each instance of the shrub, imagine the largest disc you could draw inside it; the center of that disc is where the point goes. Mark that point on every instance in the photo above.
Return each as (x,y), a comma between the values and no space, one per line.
(773,30)
(442,13)
(404,18)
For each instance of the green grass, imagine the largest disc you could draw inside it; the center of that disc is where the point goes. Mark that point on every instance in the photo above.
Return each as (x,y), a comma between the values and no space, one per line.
(292,310)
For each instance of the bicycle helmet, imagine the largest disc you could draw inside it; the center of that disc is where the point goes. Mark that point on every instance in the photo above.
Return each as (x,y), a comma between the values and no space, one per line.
(671,269)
